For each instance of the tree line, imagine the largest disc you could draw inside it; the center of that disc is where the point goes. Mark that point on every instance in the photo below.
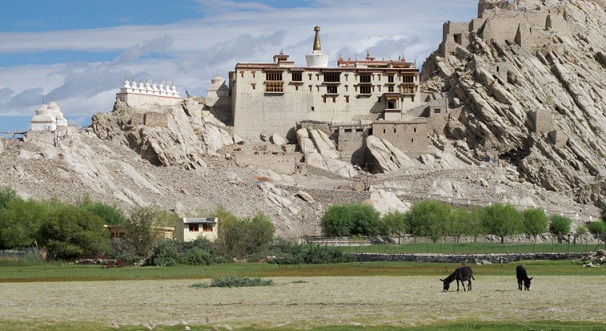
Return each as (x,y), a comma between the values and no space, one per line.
(67,232)
(435,219)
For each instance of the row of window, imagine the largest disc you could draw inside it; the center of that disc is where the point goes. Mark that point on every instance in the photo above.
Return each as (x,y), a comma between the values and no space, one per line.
(278,87)
(330,77)
(195,227)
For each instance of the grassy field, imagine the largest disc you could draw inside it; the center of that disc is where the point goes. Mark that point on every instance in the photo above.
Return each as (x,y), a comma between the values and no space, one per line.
(352,296)
(422,246)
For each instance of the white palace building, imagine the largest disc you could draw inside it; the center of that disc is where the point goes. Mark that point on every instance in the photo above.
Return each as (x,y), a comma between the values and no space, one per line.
(272,97)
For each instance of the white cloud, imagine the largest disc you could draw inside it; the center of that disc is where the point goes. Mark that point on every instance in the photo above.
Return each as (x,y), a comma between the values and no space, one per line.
(191,52)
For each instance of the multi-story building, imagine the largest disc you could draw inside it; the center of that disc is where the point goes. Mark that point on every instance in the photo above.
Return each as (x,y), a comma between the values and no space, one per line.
(270,98)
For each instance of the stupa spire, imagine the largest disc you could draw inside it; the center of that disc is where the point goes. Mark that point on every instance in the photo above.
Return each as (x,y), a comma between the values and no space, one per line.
(317,45)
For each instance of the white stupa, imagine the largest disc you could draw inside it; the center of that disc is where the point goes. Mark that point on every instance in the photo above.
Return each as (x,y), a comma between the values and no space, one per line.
(317,59)
(48,118)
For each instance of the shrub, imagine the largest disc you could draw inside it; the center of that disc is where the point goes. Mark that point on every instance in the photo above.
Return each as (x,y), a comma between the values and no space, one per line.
(173,252)
(291,253)
(241,238)
(234,281)
(70,233)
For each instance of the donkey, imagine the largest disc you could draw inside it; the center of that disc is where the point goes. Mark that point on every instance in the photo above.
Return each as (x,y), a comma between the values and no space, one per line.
(461,274)
(523,277)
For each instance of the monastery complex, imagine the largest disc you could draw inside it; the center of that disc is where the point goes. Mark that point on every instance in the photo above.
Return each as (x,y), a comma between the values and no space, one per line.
(353,99)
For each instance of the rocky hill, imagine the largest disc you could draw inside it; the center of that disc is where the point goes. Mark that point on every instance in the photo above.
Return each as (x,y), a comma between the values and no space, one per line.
(531,135)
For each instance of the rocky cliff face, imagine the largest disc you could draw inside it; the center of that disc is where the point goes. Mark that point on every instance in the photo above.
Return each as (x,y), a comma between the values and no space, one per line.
(538,105)
(535,111)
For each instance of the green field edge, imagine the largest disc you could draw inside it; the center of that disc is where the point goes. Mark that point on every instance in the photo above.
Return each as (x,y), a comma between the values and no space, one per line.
(16,274)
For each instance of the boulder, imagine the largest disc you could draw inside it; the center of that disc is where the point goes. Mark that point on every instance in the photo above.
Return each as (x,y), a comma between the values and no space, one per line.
(276,139)
(388,157)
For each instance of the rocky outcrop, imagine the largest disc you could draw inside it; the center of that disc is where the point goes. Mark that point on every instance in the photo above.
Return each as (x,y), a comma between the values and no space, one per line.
(320,152)
(537,103)
(388,157)
(386,202)
(178,135)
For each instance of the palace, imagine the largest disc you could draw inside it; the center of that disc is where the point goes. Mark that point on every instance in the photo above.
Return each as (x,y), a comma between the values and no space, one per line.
(268,98)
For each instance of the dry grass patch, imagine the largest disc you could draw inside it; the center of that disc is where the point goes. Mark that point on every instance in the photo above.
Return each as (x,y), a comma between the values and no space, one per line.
(399,301)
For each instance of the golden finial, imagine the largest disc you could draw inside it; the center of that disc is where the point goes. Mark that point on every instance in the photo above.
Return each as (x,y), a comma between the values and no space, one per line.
(317,46)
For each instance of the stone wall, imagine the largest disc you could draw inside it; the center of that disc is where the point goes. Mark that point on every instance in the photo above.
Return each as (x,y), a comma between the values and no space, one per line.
(465,258)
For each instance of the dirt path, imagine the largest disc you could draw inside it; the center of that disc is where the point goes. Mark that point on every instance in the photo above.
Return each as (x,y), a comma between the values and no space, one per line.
(398,301)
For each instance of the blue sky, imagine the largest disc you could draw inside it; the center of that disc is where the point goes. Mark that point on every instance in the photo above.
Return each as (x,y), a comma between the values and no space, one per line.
(77,52)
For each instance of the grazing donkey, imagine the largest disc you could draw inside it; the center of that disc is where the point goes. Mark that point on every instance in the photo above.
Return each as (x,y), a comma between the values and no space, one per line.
(523,277)
(461,274)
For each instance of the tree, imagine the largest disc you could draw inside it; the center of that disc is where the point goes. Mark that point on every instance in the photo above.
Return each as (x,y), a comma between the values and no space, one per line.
(141,234)
(580,232)
(535,222)
(428,218)
(559,225)
(20,221)
(502,220)
(337,221)
(351,220)
(457,226)
(598,229)
(111,214)
(241,238)
(395,223)
(474,226)
(70,232)
(7,194)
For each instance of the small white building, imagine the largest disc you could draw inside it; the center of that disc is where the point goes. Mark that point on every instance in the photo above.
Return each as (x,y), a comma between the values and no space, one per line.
(48,118)
(190,229)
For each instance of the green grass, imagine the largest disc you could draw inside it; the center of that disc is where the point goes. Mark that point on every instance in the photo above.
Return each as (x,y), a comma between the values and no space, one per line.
(472,248)
(39,273)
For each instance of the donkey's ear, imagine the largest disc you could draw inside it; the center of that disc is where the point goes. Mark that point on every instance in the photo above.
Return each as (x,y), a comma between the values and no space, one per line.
(530,278)
(441,280)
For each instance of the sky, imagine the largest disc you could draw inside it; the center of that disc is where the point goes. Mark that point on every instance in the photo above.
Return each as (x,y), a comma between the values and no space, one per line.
(78,53)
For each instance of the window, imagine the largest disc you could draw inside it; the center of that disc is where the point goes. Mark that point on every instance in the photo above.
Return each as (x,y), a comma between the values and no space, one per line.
(273,76)
(297,77)
(364,78)
(364,89)
(332,77)
(408,79)
(273,82)
(253,85)
(207,227)
(437,111)
(359,130)
(193,228)
(274,87)
(458,38)
(415,129)
(390,79)
(347,130)
(331,89)
(390,88)
(347,98)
